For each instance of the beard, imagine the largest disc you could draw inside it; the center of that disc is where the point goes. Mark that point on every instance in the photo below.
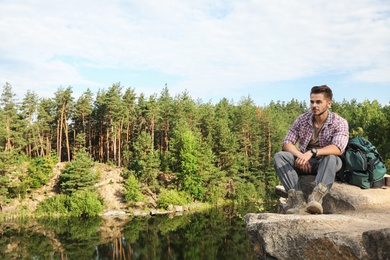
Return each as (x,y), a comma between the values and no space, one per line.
(321,113)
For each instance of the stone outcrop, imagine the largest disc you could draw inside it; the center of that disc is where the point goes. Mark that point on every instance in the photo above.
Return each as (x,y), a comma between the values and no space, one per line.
(355,225)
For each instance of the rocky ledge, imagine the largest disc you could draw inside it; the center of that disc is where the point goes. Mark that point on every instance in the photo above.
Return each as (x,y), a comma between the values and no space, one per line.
(355,225)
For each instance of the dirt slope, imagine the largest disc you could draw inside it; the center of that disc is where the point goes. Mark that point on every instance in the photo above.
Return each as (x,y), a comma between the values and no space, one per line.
(110,187)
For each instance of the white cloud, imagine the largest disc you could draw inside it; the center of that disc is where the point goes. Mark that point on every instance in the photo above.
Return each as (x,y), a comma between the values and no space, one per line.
(376,75)
(223,45)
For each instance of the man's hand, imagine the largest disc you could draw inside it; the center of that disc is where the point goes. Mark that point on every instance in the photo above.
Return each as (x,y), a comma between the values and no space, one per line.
(302,162)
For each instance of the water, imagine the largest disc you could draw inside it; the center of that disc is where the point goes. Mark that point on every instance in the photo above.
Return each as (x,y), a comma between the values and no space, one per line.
(214,234)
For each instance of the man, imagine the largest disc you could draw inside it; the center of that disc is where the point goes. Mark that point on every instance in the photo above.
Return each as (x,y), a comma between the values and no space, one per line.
(323,137)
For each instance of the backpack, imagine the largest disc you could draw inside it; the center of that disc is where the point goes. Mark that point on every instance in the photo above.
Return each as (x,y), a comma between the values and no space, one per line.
(362,164)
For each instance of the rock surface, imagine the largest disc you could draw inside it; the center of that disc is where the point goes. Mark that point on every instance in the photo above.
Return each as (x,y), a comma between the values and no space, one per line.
(356,225)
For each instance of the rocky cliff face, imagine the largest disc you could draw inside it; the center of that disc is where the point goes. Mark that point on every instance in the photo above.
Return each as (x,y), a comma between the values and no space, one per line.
(356,225)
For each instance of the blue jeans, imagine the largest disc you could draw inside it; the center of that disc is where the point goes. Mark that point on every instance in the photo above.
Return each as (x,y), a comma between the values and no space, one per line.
(324,167)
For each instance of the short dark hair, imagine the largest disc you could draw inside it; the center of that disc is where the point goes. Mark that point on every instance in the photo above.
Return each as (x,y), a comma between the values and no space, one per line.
(324,89)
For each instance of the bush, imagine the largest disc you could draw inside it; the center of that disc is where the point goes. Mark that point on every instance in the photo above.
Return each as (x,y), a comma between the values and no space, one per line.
(216,192)
(244,192)
(172,197)
(193,185)
(133,192)
(53,206)
(79,204)
(4,182)
(85,204)
(18,189)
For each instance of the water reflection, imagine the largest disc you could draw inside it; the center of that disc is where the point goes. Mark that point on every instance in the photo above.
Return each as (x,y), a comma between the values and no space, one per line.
(215,234)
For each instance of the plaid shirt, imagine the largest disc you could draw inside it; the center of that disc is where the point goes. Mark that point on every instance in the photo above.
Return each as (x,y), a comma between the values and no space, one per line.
(335,131)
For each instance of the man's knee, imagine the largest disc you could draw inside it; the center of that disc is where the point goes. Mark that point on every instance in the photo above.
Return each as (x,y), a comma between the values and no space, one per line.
(279,157)
(333,160)
(282,157)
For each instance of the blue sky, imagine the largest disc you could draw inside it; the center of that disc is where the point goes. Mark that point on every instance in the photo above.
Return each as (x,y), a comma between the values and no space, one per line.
(268,50)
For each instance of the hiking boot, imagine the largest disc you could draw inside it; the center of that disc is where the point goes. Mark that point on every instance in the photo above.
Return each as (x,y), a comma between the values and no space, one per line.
(315,199)
(296,202)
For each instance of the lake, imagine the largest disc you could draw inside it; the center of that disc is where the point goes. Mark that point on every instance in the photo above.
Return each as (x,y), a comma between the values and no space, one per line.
(217,233)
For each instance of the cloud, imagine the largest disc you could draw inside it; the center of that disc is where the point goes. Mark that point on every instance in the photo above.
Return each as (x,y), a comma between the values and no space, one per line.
(210,46)
(376,75)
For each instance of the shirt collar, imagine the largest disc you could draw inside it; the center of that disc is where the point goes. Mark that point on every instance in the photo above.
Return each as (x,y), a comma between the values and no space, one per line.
(328,120)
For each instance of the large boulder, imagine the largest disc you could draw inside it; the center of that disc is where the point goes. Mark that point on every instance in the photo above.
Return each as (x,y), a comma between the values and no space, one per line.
(276,236)
(341,198)
(356,225)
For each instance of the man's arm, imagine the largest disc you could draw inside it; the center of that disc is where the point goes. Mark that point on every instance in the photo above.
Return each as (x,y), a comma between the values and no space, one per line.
(329,150)
(302,159)
(292,149)
(341,137)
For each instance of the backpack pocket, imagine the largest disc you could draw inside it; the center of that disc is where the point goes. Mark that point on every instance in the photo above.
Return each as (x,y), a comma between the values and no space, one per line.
(361,179)
(379,170)
(356,160)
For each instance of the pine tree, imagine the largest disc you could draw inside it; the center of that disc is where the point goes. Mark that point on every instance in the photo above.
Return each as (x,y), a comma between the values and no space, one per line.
(145,161)
(82,120)
(164,124)
(78,174)
(10,122)
(46,126)
(64,109)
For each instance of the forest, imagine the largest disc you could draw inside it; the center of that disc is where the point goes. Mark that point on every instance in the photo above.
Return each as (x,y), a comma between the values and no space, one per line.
(172,145)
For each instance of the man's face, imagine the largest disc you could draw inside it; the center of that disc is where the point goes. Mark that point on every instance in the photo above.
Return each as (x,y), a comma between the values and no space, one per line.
(319,104)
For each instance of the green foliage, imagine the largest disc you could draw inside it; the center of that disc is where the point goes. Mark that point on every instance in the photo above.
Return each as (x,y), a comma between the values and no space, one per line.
(193,140)
(85,204)
(244,192)
(193,185)
(145,160)
(4,183)
(11,124)
(132,190)
(40,171)
(8,161)
(216,192)
(80,203)
(20,174)
(54,206)
(78,174)
(269,182)
(172,197)
(191,161)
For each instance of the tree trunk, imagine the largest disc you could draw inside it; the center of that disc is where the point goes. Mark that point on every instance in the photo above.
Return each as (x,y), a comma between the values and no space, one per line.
(67,138)
(120,144)
(114,144)
(59,138)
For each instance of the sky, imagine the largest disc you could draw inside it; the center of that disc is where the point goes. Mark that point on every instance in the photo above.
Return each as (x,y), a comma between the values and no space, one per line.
(212,49)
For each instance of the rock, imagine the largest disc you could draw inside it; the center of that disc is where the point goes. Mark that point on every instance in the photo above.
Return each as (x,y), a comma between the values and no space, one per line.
(356,225)
(140,204)
(154,212)
(277,236)
(377,243)
(342,197)
(115,213)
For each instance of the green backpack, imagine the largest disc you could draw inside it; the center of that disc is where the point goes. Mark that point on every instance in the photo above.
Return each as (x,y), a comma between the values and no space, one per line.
(363,166)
